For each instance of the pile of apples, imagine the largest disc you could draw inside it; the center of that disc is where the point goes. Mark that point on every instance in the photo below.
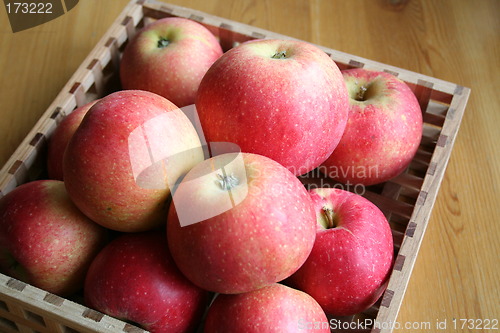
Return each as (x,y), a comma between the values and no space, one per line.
(177,217)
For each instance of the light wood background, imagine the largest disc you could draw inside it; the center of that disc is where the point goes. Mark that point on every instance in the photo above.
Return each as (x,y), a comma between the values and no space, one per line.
(457,271)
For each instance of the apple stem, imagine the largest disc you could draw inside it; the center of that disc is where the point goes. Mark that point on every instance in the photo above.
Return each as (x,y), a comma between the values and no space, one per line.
(227,182)
(279,55)
(360,96)
(330,217)
(163,42)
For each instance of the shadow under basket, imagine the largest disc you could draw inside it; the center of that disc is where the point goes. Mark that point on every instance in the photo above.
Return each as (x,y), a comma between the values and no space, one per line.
(406,200)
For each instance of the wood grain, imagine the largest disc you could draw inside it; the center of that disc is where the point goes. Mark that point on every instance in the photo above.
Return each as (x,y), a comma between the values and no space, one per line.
(456,274)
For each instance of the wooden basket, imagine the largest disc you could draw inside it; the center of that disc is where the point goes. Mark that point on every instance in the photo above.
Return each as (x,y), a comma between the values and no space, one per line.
(406,200)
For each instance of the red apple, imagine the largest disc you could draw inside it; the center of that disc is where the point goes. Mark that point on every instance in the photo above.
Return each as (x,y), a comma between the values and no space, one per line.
(283,99)
(349,265)
(276,308)
(129,149)
(44,239)
(240,222)
(383,131)
(169,57)
(60,139)
(134,278)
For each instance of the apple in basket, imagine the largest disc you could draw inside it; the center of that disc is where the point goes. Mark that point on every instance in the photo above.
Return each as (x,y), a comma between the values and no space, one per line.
(283,99)
(134,278)
(60,138)
(169,57)
(349,265)
(122,160)
(44,239)
(383,131)
(240,222)
(275,308)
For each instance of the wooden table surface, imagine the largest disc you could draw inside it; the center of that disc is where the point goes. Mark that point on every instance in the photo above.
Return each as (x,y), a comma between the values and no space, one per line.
(457,272)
